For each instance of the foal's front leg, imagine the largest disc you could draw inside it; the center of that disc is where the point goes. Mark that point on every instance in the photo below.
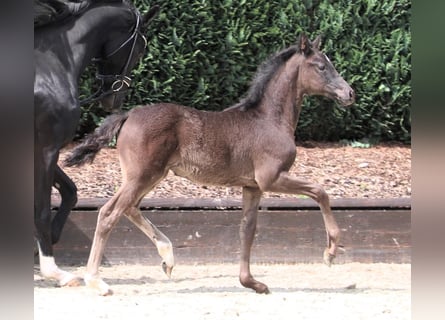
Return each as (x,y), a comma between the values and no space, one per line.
(251,200)
(285,183)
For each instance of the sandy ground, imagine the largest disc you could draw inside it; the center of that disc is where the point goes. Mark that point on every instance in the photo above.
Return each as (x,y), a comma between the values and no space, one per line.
(302,291)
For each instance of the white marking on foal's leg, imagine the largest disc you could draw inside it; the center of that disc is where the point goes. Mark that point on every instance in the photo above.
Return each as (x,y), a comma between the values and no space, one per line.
(50,270)
(165,250)
(96,283)
(160,240)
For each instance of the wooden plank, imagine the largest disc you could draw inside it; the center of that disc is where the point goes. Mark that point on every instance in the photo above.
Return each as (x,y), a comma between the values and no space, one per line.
(213,236)
(266,203)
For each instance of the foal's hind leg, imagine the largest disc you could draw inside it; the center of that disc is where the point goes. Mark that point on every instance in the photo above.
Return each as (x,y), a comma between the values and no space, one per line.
(162,243)
(285,183)
(124,202)
(108,216)
(251,200)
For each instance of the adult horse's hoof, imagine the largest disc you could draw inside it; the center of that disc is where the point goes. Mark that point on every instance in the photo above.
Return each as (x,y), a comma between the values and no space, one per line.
(107,292)
(70,282)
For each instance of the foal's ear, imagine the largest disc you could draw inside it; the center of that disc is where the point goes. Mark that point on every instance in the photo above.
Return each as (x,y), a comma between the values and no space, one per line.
(150,15)
(316,43)
(304,45)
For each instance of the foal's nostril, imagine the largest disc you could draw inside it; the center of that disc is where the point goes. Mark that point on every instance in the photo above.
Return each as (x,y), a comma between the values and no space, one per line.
(351,94)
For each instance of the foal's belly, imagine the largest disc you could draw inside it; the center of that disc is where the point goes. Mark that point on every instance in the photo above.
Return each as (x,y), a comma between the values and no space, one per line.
(216,176)
(213,161)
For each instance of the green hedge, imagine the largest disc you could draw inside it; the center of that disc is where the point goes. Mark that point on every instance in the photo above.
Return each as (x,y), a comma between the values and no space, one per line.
(204,53)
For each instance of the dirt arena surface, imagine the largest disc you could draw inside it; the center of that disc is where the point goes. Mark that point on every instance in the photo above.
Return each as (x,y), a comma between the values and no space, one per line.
(302,291)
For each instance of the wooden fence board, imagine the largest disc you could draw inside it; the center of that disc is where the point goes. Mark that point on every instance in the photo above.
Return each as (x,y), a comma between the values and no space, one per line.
(266,203)
(213,236)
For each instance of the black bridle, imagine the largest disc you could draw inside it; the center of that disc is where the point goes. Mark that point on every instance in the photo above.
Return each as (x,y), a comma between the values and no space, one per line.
(121,82)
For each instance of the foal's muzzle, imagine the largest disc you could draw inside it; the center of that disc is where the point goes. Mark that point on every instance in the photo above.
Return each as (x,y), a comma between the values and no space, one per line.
(343,94)
(347,97)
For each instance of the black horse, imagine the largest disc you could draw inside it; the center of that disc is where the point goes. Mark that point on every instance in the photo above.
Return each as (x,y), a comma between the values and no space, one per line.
(108,32)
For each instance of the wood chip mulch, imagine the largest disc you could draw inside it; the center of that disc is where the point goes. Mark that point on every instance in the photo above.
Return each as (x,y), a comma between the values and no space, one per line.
(381,171)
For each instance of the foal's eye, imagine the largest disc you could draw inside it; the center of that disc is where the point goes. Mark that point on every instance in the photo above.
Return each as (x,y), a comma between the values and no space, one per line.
(322,67)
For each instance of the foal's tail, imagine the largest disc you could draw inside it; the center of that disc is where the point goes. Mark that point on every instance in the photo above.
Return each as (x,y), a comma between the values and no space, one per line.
(101,137)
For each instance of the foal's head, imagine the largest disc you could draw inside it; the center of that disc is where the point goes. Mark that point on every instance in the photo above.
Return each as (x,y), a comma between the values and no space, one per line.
(318,76)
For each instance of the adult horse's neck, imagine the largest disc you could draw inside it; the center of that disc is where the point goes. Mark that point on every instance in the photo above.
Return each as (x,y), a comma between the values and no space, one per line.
(283,95)
(102,22)
(84,37)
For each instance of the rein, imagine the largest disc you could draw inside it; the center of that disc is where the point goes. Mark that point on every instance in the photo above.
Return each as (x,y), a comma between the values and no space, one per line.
(122,82)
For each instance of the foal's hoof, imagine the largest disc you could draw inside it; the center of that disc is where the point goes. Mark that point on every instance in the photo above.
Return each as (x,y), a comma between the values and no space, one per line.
(328,257)
(262,290)
(98,285)
(167,269)
(257,286)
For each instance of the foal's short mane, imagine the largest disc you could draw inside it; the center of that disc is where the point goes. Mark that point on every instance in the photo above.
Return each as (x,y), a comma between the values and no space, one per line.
(263,75)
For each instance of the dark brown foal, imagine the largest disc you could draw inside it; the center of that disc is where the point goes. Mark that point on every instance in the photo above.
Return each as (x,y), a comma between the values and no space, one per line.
(250,145)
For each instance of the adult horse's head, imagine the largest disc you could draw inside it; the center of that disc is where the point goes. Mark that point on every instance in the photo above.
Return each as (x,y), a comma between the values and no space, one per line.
(124,46)
(319,77)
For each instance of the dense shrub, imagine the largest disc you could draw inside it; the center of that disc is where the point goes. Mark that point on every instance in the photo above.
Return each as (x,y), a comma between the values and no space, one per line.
(204,53)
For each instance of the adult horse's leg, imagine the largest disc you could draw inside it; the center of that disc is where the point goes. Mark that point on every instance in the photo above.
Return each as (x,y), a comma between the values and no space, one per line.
(285,183)
(68,193)
(43,180)
(251,200)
